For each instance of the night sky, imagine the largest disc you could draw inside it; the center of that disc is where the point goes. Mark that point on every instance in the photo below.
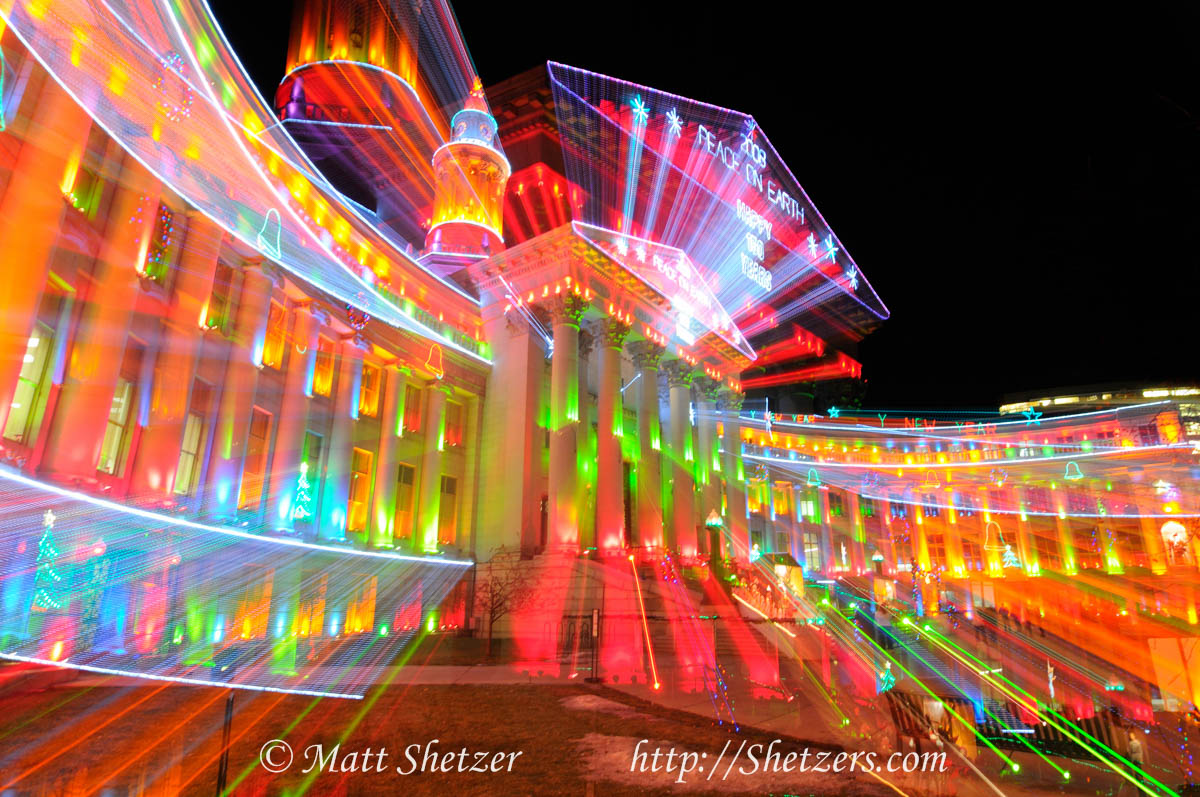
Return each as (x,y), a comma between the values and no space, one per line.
(1020,185)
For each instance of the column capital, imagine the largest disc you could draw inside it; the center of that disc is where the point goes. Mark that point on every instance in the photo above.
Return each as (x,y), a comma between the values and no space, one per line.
(267,269)
(679,373)
(612,332)
(707,387)
(320,314)
(516,325)
(358,341)
(566,308)
(646,354)
(730,401)
(586,341)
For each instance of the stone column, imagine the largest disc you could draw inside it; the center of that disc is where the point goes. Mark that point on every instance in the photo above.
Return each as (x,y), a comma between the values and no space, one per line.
(31,213)
(887,546)
(646,355)
(154,473)
(955,566)
(1066,543)
(101,337)
(732,469)
(708,469)
(858,556)
(683,520)
(564,414)
(429,504)
(1025,547)
(237,395)
(335,484)
(383,506)
(292,422)
(828,555)
(585,448)
(610,495)
(511,440)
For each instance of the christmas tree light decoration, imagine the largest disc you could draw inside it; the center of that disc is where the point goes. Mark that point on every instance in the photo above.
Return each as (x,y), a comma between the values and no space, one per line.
(46,581)
(302,506)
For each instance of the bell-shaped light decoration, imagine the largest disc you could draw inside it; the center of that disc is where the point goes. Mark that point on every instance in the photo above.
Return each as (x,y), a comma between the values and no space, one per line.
(993,538)
(813,479)
(931,481)
(1072,473)
(434,362)
(268,238)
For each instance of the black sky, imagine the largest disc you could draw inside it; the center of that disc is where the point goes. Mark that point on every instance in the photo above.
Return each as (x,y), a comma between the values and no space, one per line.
(1021,185)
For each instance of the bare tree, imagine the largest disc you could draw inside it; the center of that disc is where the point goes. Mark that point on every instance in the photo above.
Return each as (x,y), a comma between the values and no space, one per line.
(504,586)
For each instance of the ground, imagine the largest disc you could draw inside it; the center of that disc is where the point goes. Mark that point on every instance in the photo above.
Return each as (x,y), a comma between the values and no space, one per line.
(165,739)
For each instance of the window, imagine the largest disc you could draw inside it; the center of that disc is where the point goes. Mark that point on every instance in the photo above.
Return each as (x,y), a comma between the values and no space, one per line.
(360,490)
(453,436)
(254,468)
(85,193)
(1048,557)
(219,314)
(273,344)
(191,453)
(405,480)
(162,249)
(1089,545)
(866,507)
(323,371)
(412,408)
(1148,434)
(33,383)
(935,543)
(368,392)
(812,550)
(972,553)
(966,505)
(1037,499)
(835,505)
(448,511)
(114,432)
(930,510)
(114,448)
(897,508)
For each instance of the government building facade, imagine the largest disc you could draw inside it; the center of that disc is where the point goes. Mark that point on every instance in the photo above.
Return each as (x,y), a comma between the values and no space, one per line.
(276,372)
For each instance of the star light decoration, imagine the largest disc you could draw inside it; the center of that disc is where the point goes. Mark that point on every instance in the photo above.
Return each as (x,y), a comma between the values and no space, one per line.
(812,245)
(852,278)
(830,249)
(750,126)
(641,113)
(834,412)
(1032,417)
(674,123)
